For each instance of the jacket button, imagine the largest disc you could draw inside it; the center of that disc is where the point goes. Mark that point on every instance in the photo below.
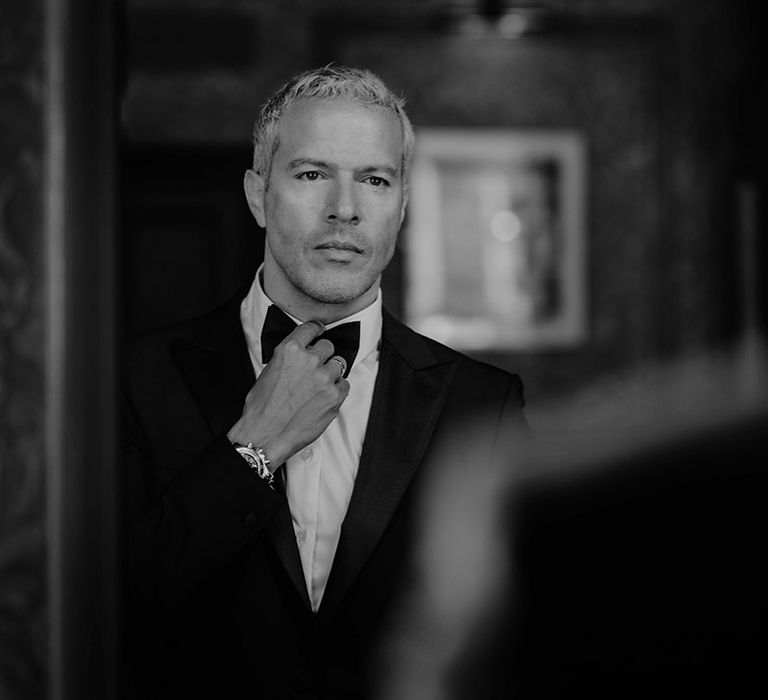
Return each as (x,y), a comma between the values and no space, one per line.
(250,521)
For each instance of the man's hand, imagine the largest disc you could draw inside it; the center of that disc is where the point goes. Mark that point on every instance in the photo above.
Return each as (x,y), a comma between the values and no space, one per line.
(294,399)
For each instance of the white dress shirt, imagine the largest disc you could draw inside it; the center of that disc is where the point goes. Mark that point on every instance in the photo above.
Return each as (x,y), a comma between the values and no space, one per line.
(319,478)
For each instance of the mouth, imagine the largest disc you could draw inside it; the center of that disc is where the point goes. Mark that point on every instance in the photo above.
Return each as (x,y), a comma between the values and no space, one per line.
(340,247)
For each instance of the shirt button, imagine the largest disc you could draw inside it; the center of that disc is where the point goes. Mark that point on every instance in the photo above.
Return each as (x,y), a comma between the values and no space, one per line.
(306,454)
(301,534)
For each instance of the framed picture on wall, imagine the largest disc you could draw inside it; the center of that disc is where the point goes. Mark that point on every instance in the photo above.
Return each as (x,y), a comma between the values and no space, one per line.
(495,243)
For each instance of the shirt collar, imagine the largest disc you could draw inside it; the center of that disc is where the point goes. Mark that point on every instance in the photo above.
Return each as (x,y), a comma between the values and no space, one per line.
(253,311)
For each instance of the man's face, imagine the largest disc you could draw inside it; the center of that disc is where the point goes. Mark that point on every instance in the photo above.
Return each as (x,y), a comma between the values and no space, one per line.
(333,206)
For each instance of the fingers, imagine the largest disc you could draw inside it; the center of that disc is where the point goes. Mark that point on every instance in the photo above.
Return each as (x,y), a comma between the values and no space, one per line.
(343,386)
(305,333)
(323,348)
(340,363)
(333,371)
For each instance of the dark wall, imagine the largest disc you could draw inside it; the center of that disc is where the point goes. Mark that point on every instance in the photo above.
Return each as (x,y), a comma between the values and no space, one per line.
(57,389)
(190,241)
(23,609)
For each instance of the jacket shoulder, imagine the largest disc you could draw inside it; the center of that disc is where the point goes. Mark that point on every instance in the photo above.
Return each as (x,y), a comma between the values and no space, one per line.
(209,330)
(470,371)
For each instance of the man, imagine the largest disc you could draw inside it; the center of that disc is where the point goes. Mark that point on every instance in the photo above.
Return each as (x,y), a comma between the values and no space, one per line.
(272,473)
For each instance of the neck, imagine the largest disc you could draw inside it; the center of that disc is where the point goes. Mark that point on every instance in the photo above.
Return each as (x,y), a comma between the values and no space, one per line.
(306,308)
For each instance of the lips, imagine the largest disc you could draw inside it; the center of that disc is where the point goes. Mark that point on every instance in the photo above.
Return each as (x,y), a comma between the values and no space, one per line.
(339,245)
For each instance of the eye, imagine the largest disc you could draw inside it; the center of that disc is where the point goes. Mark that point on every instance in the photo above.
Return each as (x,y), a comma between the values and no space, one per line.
(309,175)
(377,181)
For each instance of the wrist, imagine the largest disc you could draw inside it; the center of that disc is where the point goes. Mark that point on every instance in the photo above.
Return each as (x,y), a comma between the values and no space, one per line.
(257,461)
(272,447)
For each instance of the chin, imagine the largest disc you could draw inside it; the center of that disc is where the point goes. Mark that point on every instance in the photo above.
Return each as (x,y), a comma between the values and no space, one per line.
(335,291)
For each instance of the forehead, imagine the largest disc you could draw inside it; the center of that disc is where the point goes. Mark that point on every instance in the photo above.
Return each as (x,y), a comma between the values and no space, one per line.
(341,132)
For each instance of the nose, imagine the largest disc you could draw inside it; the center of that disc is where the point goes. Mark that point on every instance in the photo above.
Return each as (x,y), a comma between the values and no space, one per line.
(342,205)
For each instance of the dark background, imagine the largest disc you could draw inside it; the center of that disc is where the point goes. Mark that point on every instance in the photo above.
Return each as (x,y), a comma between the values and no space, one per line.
(666,95)
(124,136)
(640,581)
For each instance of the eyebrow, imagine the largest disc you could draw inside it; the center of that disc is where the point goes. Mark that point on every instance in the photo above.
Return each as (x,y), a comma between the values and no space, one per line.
(386,169)
(302,162)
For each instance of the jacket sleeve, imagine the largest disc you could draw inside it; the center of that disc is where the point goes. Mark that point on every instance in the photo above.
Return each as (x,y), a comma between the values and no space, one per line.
(195,524)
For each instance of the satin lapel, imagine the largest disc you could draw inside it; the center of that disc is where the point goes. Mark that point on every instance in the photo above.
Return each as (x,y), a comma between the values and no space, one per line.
(281,534)
(407,401)
(220,380)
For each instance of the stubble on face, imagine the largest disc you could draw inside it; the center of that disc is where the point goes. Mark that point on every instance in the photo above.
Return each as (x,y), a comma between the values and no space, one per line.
(323,266)
(334,283)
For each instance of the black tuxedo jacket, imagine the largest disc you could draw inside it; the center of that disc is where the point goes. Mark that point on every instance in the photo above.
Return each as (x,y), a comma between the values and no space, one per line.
(217,601)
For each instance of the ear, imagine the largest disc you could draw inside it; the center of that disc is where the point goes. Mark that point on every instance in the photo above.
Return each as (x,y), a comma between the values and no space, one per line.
(406,193)
(255,190)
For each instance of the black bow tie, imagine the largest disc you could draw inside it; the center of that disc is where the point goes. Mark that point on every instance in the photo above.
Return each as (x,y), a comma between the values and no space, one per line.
(345,337)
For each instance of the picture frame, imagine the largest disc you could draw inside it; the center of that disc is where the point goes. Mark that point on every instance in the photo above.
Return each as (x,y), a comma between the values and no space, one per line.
(495,244)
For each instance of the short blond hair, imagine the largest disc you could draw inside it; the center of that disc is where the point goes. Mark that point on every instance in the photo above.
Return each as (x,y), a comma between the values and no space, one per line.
(328,83)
